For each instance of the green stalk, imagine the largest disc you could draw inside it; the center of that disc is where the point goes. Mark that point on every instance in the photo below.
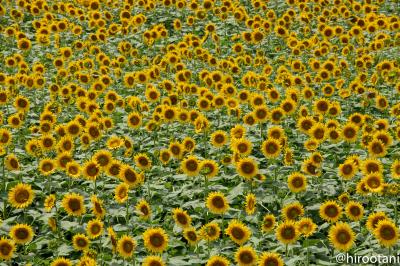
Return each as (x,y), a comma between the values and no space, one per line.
(4,188)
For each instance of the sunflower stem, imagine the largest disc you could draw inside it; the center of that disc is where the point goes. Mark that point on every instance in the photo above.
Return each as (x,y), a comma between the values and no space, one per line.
(205,195)
(308,252)
(395,212)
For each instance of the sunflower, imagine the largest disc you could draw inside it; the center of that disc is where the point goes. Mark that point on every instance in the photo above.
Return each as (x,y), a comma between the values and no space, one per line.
(347,170)
(176,149)
(250,204)
(238,232)
(97,207)
(73,169)
(49,202)
(330,211)
(217,260)
(341,236)
(293,211)
(374,182)
(306,227)
(237,132)
(349,132)
(387,233)
(21,233)
(153,261)
(371,166)
(217,203)
(80,242)
(268,223)
(129,176)
(271,148)
(142,161)
(144,209)
(287,232)
(103,158)
(121,193)
(155,240)
(297,182)
(246,256)
(126,246)
(73,204)
(373,220)
(191,235)
(209,168)
(181,218)
(395,169)
(21,196)
(61,262)
(241,146)
(210,231)
(47,166)
(354,210)
(91,170)
(376,148)
(134,120)
(191,166)
(270,259)
(7,248)
(247,167)
(94,228)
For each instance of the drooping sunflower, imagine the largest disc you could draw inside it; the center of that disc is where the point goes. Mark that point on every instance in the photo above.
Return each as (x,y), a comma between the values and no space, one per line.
(7,248)
(330,211)
(21,196)
(395,169)
(268,223)
(210,231)
(306,227)
(153,261)
(97,207)
(354,210)
(293,211)
(341,236)
(250,204)
(297,182)
(126,246)
(49,202)
(217,203)
(247,167)
(270,259)
(238,232)
(217,260)
(80,242)
(387,233)
(246,256)
(73,204)
(155,240)
(121,193)
(191,235)
(21,233)
(271,148)
(144,209)
(181,218)
(94,228)
(287,232)
(191,166)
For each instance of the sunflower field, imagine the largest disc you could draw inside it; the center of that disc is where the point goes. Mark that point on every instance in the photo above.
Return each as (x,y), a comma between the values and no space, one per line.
(198,132)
